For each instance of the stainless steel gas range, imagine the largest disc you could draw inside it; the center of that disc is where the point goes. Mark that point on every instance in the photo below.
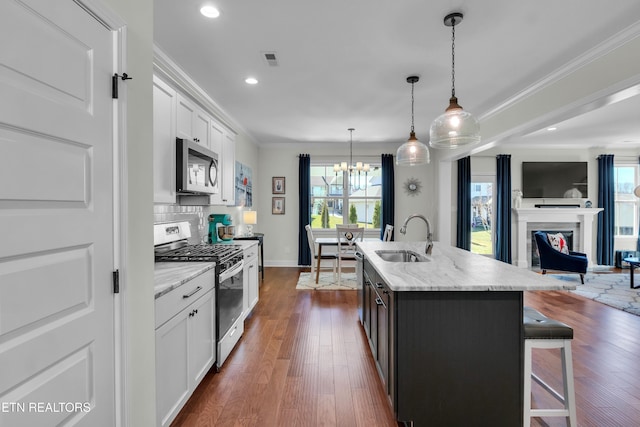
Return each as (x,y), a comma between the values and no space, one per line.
(171,244)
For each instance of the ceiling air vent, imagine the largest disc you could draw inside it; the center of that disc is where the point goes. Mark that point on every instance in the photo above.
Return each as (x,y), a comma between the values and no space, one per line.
(271,59)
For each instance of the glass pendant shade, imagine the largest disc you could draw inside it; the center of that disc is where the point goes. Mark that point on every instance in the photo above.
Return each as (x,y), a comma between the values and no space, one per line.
(412,152)
(454,128)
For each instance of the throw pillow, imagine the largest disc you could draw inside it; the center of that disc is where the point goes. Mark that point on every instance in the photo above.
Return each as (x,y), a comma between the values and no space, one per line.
(558,242)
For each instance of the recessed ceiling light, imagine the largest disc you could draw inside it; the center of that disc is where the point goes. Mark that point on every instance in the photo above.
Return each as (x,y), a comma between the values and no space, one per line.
(251,81)
(551,129)
(210,11)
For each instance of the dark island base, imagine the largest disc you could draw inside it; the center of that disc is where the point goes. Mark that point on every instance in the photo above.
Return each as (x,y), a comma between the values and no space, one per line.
(458,358)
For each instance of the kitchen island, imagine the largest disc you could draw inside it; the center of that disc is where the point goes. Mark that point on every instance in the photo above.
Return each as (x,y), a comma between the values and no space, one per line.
(446,333)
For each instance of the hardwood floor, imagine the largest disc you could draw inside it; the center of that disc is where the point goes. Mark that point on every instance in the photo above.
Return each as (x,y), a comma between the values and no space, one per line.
(304,360)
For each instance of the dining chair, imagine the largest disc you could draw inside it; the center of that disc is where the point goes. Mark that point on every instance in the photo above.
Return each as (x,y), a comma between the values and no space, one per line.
(347,238)
(314,256)
(388,233)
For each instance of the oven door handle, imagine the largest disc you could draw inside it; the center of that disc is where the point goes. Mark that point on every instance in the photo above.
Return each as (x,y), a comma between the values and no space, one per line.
(232,271)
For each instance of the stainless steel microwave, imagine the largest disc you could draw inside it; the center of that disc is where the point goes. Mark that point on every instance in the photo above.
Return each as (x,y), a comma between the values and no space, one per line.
(197,168)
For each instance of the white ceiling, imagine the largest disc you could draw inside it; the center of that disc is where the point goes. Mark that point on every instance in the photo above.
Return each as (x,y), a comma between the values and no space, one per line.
(344,63)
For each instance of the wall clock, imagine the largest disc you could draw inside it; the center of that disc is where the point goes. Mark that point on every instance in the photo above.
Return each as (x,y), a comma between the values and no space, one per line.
(412,186)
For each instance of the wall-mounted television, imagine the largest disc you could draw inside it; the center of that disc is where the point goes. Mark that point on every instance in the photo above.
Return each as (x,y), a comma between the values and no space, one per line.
(554,180)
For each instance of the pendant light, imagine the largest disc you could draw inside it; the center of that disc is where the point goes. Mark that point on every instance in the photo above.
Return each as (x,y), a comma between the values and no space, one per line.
(412,152)
(455,127)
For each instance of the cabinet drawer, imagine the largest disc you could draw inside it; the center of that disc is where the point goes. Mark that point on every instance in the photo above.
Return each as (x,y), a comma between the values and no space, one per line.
(250,253)
(229,341)
(173,302)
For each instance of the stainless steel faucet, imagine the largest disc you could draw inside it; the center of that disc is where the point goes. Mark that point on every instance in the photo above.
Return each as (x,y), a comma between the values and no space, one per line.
(403,230)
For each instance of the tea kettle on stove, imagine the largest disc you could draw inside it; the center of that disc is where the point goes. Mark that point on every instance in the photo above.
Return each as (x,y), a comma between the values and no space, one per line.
(220,228)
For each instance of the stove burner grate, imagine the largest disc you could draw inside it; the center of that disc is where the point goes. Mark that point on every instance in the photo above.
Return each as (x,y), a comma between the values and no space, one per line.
(199,252)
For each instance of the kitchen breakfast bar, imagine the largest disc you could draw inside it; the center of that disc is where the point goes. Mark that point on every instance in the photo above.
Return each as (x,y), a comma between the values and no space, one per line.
(446,332)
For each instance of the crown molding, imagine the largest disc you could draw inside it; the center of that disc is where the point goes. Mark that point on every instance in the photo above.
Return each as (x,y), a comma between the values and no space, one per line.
(600,50)
(165,68)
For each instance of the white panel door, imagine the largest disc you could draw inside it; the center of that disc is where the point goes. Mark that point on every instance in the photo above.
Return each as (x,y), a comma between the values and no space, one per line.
(56,216)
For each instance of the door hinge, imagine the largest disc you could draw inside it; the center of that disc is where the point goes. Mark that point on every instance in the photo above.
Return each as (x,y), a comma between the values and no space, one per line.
(114,83)
(116,281)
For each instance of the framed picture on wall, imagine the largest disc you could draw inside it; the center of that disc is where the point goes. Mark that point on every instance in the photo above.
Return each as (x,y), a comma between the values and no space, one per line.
(277,205)
(277,185)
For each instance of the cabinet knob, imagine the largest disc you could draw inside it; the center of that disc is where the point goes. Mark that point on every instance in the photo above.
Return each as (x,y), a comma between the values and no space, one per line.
(379,285)
(195,311)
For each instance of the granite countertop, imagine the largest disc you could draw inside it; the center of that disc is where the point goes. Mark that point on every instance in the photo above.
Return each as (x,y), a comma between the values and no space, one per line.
(453,269)
(170,275)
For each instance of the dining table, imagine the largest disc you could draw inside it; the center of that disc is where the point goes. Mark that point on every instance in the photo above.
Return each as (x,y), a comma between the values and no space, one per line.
(330,241)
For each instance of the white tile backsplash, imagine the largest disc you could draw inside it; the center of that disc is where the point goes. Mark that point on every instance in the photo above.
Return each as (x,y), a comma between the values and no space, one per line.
(193,214)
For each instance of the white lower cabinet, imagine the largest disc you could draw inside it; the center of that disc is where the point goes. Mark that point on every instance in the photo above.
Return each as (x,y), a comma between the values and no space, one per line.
(250,279)
(185,347)
(201,338)
(172,377)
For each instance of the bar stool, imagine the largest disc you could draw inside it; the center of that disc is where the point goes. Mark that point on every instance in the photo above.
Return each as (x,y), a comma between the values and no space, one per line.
(543,332)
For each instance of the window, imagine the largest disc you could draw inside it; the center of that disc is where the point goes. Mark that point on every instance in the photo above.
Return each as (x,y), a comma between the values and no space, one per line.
(482,215)
(626,203)
(335,199)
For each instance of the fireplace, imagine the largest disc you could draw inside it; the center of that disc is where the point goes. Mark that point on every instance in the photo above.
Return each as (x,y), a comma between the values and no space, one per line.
(535,258)
(579,220)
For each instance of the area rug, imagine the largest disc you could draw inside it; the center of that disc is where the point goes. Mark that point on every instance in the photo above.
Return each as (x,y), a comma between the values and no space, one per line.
(611,289)
(326,282)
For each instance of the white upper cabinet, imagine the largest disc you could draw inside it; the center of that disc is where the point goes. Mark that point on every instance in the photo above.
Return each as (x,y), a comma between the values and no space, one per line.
(216,141)
(228,169)
(186,110)
(192,122)
(164,137)
(201,127)
(176,116)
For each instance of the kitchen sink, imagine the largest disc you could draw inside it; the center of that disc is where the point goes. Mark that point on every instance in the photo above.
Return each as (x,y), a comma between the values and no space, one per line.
(401,255)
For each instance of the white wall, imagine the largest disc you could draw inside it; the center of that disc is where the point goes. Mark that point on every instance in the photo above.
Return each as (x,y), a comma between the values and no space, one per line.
(281,231)
(247,154)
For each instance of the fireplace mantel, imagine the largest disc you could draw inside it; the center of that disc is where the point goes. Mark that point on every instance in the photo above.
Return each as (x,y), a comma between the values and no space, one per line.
(582,216)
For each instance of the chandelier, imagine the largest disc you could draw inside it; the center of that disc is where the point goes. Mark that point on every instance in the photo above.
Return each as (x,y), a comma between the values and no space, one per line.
(352,168)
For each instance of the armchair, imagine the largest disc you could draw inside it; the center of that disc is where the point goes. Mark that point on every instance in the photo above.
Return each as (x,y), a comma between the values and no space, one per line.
(551,259)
